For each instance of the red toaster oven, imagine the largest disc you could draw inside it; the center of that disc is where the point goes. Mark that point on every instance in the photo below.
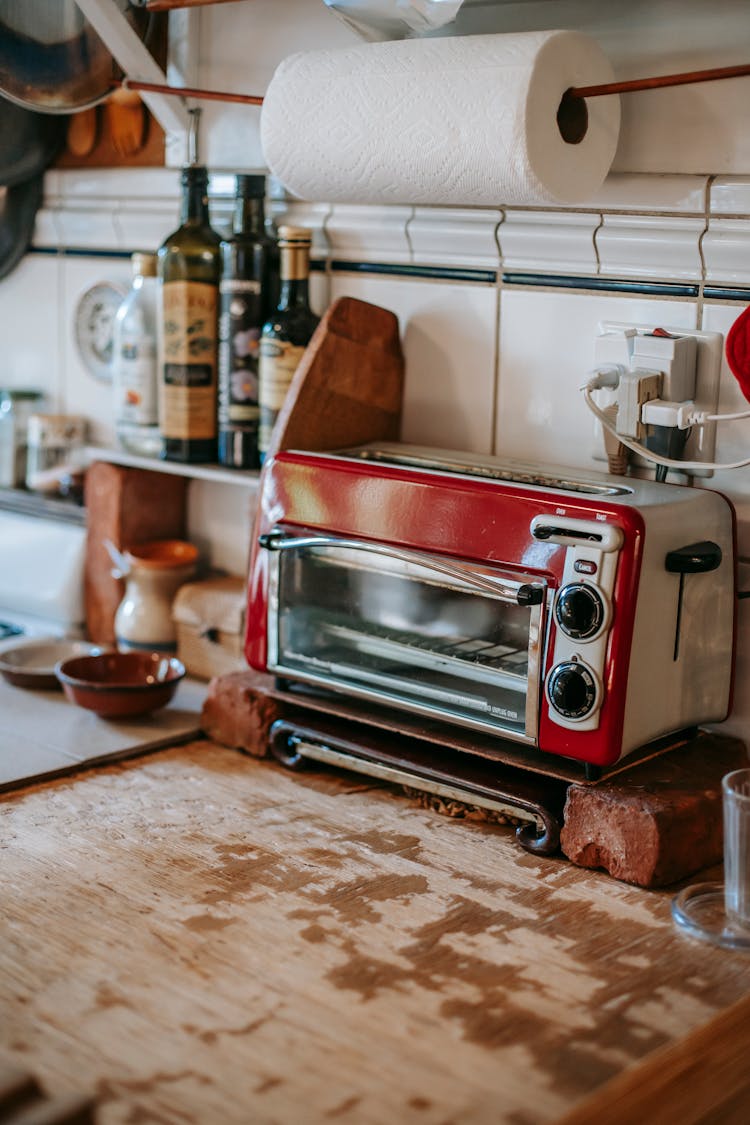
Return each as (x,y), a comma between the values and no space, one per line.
(583,615)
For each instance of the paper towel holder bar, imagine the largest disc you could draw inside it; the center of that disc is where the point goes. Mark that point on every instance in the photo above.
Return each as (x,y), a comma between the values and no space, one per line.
(687,78)
(573,120)
(188,92)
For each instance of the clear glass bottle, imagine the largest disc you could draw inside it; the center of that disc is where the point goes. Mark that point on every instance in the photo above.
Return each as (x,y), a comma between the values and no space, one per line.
(287,333)
(134,364)
(245,296)
(188,269)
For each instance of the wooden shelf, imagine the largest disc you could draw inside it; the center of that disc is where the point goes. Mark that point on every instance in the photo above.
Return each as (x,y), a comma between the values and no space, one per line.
(245,478)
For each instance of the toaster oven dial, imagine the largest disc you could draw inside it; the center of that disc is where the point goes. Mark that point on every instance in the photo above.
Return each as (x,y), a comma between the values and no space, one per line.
(572,690)
(579,611)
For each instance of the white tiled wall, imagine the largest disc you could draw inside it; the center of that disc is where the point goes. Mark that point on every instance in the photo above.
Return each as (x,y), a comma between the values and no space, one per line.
(448,337)
(492,365)
(546,352)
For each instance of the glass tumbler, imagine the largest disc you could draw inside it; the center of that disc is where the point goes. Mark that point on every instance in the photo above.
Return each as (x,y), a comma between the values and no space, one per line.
(712,911)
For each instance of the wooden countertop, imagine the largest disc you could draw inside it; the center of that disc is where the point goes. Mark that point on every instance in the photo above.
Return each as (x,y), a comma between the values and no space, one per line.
(196,936)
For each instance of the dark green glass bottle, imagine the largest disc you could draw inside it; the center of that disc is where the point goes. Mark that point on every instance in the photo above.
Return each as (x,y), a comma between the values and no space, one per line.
(287,333)
(246,293)
(188,268)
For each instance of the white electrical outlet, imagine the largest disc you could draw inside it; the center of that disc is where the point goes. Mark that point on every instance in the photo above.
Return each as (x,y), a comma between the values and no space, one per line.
(701,444)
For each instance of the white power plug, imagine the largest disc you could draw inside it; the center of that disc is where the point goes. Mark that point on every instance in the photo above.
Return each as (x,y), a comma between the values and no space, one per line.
(636,389)
(679,355)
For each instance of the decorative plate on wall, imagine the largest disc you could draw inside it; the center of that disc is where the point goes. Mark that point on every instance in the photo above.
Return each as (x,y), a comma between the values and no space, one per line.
(93,326)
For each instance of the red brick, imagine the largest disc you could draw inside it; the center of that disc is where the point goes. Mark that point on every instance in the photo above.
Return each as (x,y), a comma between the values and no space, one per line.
(238,711)
(658,822)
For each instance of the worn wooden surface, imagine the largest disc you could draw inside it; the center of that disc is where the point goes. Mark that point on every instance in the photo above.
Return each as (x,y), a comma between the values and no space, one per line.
(199,936)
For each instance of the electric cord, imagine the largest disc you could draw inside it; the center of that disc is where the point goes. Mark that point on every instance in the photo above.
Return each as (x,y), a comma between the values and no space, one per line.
(703,418)
(636,447)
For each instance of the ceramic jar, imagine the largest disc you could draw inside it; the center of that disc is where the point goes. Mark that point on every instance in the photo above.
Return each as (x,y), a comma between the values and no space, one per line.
(55,448)
(153,574)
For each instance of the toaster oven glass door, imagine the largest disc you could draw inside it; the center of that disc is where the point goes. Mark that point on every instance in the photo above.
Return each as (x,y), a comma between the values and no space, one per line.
(433,635)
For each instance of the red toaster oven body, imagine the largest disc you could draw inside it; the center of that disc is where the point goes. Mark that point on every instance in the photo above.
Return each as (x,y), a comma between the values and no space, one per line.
(584,615)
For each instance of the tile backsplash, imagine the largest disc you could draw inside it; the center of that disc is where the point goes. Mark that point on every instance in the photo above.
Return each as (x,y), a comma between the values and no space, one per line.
(498,311)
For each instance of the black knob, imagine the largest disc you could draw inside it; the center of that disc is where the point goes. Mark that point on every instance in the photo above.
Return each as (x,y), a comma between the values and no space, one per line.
(579,610)
(571,690)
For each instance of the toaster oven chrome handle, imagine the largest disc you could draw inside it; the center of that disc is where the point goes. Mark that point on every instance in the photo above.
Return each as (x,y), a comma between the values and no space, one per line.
(526,593)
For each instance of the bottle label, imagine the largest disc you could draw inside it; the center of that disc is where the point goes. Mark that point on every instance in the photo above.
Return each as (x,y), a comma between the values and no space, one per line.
(278,362)
(136,401)
(240,319)
(239,285)
(188,362)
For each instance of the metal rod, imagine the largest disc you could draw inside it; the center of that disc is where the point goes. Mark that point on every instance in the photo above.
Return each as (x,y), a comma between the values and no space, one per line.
(626,87)
(687,78)
(191,92)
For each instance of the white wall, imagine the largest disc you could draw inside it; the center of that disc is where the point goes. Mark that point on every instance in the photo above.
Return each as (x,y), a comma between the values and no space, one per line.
(498,308)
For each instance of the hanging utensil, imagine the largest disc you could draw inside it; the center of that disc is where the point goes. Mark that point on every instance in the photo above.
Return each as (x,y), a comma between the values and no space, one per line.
(82,132)
(125,115)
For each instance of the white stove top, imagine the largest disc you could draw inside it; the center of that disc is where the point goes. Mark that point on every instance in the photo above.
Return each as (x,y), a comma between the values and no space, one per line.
(19,626)
(41,576)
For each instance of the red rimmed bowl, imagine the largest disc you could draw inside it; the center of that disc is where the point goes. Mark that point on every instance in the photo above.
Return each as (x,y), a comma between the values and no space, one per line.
(121,685)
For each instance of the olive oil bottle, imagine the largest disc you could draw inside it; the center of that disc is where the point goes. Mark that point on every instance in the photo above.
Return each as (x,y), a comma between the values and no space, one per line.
(287,333)
(188,270)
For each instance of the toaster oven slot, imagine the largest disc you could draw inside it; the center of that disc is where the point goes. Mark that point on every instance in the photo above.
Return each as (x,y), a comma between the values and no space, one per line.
(487,467)
(436,636)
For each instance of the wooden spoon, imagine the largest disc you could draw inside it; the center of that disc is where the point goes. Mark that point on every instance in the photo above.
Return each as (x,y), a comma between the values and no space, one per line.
(126,119)
(82,131)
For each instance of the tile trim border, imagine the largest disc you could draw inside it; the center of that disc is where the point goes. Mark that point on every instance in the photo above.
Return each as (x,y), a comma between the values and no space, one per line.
(474,276)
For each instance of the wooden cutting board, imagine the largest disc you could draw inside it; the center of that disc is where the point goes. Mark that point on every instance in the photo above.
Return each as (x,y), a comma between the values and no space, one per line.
(348,387)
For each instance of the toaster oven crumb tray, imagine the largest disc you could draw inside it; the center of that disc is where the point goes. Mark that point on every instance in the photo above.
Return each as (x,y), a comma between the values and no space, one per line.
(537,802)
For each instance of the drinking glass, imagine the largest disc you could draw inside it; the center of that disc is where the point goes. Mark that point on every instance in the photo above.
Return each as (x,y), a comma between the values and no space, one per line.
(720,913)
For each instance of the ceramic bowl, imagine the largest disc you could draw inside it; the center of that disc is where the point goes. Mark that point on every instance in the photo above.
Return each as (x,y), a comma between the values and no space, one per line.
(162,554)
(31,664)
(120,685)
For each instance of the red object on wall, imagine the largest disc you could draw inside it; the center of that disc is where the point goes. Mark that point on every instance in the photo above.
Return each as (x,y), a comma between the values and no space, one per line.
(737,351)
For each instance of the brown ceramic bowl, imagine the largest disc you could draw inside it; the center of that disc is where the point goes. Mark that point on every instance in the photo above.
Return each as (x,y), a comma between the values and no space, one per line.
(121,685)
(163,554)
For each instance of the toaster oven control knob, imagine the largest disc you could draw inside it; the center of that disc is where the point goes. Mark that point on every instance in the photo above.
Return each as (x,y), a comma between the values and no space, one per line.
(571,690)
(579,611)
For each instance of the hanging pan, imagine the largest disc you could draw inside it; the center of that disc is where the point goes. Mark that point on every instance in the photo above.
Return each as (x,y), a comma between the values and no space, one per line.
(52,60)
(29,142)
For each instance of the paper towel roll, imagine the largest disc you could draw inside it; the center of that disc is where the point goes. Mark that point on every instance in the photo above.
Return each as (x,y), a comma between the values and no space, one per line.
(468,121)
